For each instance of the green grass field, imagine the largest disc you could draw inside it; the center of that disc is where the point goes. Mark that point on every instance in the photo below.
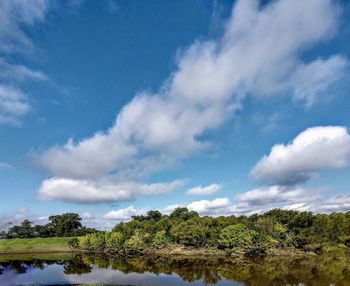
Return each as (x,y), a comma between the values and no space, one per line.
(34,245)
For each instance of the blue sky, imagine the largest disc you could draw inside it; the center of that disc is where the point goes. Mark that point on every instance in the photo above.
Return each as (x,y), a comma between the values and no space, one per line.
(112,108)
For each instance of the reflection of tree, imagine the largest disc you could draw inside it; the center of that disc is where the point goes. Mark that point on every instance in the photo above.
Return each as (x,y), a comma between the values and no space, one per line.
(332,268)
(313,270)
(38,264)
(18,267)
(76,266)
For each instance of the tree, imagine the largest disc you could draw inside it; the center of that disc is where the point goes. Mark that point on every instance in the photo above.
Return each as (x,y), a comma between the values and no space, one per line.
(114,242)
(190,232)
(73,244)
(98,242)
(236,235)
(337,227)
(160,239)
(321,228)
(24,230)
(136,243)
(154,215)
(183,214)
(66,224)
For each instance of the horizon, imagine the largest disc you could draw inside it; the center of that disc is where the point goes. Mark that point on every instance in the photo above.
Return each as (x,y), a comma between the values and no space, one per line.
(110,109)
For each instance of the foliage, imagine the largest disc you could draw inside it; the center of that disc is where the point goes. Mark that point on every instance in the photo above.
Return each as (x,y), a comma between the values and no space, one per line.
(190,232)
(136,243)
(236,235)
(250,235)
(73,244)
(114,242)
(160,239)
(65,225)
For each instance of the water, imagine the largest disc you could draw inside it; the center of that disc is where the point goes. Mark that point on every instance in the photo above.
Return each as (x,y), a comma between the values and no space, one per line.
(331,269)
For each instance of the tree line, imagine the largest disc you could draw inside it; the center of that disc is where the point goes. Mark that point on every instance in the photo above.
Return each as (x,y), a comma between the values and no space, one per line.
(64,225)
(248,235)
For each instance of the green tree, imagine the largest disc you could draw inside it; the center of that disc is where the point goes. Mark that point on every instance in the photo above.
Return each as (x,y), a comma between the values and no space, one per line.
(337,227)
(65,224)
(136,243)
(114,242)
(98,242)
(183,214)
(190,232)
(236,235)
(160,239)
(321,228)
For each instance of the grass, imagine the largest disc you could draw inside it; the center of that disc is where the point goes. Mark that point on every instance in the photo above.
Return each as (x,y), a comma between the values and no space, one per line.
(35,245)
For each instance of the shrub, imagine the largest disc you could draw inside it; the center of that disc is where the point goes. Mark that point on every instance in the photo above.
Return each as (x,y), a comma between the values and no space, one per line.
(97,241)
(73,244)
(84,243)
(114,242)
(136,243)
(160,239)
(234,236)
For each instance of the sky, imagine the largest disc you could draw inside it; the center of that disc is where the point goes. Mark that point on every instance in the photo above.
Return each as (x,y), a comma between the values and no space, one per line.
(113,108)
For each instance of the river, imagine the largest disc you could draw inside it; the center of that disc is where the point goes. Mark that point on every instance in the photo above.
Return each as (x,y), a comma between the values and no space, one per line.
(64,269)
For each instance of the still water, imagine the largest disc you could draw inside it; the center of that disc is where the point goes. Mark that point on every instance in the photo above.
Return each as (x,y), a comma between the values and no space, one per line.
(331,269)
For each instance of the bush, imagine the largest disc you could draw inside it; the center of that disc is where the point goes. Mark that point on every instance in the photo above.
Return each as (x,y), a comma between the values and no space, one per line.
(84,243)
(114,242)
(190,233)
(73,244)
(235,236)
(160,239)
(98,242)
(136,243)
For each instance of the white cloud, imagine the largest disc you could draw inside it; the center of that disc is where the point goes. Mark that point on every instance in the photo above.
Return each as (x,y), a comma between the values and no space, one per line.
(205,207)
(13,104)
(124,214)
(259,200)
(204,191)
(16,73)
(85,191)
(87,215)
(340,203)
(260,51)
(292,198)
(4,165)
(13,16)
(312,79)
(312,150)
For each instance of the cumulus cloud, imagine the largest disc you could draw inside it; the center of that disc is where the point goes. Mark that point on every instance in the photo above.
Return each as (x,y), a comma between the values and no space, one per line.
(124,214)
(258,200)
(204,191)
(209,207)
(314,149)
(259,53)
(85,191)
(9,219)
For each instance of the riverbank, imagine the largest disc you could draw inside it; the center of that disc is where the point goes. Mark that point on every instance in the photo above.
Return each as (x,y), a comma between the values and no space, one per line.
(179,250)
(60,245)
(35,245)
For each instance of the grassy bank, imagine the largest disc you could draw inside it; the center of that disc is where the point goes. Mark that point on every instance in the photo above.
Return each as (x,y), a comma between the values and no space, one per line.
(35,245)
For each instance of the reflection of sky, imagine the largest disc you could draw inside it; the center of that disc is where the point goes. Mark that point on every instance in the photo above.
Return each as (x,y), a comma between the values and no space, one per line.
(53,274)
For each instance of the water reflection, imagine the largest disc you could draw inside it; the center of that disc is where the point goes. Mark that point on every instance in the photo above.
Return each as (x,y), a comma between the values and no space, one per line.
(331,269)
